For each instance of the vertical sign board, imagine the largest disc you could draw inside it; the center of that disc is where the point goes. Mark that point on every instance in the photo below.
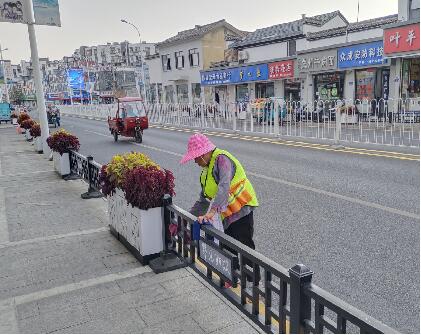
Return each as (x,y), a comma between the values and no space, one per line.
(216,259)
(15,11)
(47,12)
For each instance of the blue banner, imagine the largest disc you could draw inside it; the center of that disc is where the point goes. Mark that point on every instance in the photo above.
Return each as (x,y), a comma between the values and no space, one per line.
(235,75)
(76,78)
(361,55)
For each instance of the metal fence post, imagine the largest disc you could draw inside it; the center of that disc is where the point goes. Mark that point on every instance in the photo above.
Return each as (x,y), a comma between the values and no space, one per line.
(168,260)
(92,191)
(300,305)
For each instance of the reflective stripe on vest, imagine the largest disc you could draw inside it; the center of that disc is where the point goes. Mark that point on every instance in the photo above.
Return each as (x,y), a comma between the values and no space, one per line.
(241,190)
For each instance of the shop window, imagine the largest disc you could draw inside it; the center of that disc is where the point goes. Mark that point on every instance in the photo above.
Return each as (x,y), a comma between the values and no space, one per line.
(182,94)
(329,86)
(169,94)
(410,78)
(194,57)
(242,93)
(292,48)
(265,90)
(179,60)
(196,92)
(364,84)
(166,62)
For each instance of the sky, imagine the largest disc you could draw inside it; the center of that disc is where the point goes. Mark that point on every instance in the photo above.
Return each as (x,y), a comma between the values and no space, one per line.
(93,22)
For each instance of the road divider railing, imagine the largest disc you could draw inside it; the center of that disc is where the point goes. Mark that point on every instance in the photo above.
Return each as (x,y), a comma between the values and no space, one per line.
(388,122)
(274,298)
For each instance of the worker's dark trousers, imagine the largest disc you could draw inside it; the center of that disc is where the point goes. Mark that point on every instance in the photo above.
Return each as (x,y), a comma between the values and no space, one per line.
(242,230)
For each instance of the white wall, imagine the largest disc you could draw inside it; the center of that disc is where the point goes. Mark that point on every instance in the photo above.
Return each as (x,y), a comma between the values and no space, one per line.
(192,74)
(336,22)
(266,52)
(349,85)
(327,42)
(155,70)
(279,91)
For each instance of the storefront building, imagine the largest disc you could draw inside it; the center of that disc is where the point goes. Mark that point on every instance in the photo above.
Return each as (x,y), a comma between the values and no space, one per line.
(257,81)
(402,46)
(370,70)
(320,75)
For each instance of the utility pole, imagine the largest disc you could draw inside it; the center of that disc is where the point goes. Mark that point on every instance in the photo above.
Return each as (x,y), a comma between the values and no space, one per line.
(42,113)
(142,68)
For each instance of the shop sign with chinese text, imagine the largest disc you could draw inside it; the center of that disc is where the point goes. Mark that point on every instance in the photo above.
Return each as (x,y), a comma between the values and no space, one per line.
(235,75)
(317,61)
(402,39)
(283,69)
(361,55)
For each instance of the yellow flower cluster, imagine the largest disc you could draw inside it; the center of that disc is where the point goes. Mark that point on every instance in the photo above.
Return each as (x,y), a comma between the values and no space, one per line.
(121,164)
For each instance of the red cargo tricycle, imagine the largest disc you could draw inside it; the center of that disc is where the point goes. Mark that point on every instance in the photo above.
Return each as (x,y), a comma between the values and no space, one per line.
(130,119)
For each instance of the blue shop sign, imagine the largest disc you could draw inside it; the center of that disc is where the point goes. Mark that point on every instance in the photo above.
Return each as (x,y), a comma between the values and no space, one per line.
(235,75)
(361,55)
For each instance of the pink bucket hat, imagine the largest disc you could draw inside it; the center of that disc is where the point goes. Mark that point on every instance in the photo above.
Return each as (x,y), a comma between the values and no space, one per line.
(198,145)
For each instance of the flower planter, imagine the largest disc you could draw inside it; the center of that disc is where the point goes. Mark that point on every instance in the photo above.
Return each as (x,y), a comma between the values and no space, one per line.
(139,230)
(27,135)
(38,145)
(61,163)
(14,120)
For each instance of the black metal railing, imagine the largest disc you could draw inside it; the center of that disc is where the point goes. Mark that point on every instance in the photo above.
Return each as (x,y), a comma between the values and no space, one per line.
(87,169)
(283,301)
(277,299)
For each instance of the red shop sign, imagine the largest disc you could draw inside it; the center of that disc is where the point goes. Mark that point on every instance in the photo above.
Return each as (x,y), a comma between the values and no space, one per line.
(401,39)
(279,70)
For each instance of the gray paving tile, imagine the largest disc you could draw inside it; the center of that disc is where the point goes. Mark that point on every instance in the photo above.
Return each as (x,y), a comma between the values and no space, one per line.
(177,306)
(148,278)
(183,324)
(217,317)
(28,310)
(63,318)
(31,325)
(240,328)
(122,322)
(78,297)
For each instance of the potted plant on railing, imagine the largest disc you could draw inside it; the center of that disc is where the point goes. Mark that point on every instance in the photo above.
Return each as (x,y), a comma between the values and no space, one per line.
(22,117)
(14,117)
(349,114)
(135,187)
(61,142)
(27,125)
(35,132)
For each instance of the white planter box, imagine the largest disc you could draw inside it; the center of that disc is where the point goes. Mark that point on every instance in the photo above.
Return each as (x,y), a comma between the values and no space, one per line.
(27,134)
(38,144)
(141,229)
(61,163)
(14,120)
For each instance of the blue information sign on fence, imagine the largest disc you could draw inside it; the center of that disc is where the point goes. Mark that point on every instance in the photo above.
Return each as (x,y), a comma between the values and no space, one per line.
(361,55)
(235,75)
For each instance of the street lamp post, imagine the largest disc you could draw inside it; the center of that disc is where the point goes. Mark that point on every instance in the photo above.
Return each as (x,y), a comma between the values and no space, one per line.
(4,73)
(141,58)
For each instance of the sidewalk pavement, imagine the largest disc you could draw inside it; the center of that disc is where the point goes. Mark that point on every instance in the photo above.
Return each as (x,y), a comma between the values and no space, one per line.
(62,271)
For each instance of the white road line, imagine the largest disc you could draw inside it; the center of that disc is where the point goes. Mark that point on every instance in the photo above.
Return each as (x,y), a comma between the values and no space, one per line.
(4,230)
(26,298)
(300,186)
(49,238)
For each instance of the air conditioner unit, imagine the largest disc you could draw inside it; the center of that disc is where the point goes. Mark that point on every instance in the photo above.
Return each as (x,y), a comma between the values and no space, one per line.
(243,55)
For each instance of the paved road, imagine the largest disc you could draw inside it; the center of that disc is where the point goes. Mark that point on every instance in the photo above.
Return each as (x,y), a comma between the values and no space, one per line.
(353,218)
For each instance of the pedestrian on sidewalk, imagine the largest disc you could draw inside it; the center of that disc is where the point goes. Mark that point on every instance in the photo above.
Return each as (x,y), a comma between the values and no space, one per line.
(226,190)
